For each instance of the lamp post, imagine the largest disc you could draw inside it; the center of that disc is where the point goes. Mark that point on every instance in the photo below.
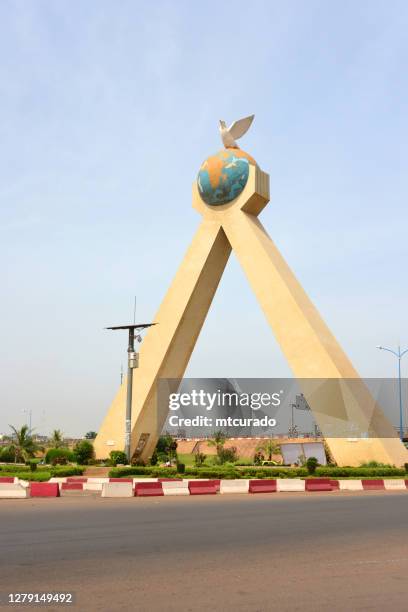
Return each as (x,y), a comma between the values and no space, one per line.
(133,362)
(399,355)
(30,413)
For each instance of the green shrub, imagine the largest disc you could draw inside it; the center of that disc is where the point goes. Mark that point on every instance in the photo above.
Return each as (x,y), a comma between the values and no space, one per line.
(8,454)
(84,451)
(258,458)
(199,459)
(28,475)
(154,459)
(359,472)
(257,472)
(140,470)
(162,457)
(406,467)
(59,456)
(116,457)
(20,468)
(32,464)
(311,465)
(375,464)
(181,468)
(227,455)
(67,471)
(244,462)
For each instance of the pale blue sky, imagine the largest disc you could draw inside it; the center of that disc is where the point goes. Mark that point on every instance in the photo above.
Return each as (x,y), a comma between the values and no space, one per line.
(107,111)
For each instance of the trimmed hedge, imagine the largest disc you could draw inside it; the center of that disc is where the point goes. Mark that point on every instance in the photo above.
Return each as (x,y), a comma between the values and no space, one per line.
(360,472)
(32,476)
(16,468)
(204,472)
(41,474)
(140,470)
(255,472)
(68,470)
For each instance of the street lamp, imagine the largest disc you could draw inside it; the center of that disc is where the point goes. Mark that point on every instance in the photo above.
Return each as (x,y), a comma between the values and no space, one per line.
(30,414)
(399,355)
(133,362)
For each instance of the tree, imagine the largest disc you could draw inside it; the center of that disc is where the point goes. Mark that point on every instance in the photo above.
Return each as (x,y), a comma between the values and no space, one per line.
(270,447)
(56,440)
(84,451)
(91,435)
(218,440)
(166,445)
(224,455)
(23,441)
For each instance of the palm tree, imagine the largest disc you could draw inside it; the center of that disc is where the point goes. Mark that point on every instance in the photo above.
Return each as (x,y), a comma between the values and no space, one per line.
(24,443)
(270,446)
(57,438)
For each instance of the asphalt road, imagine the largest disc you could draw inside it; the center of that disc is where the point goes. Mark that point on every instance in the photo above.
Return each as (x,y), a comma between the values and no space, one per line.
(242,553)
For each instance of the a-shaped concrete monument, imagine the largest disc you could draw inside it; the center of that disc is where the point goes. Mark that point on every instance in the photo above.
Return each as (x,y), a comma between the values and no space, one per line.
(230,192)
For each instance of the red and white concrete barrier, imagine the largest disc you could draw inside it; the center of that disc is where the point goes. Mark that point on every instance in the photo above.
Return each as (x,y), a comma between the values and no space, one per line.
(143,487)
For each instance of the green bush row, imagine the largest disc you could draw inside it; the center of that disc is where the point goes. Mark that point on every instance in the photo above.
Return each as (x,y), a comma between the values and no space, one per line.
(21,468)
(32,476)
(215,472)
(153,471)
(363,472)
(40,476)
(254,472)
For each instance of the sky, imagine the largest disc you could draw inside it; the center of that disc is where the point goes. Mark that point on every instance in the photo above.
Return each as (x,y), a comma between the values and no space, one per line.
(107,110)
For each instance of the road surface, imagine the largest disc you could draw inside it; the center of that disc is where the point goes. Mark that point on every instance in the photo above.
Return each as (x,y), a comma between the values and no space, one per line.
(243,553)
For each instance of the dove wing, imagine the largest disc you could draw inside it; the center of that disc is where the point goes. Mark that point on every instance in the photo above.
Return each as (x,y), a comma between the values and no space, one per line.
(238,128)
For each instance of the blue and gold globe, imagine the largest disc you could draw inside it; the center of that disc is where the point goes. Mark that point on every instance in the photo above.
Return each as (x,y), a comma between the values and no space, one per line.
(223,176)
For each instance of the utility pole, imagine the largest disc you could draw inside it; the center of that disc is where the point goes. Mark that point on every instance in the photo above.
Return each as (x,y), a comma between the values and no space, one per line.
(133,362)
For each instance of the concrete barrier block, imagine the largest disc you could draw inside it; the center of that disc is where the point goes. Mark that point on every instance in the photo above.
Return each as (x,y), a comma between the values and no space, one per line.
(267,485)
(394,484)
(117,489)
(93,486)
(175,488)
(12,490)
(58,479)
(318,484)
(350,485)
(239,485)
(290,484)
(72,486)
(7,479)
(148,489)
(203,487)
(44,489)
(373,484)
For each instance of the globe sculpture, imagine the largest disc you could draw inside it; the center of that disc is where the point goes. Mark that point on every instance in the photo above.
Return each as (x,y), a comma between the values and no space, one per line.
(223,176)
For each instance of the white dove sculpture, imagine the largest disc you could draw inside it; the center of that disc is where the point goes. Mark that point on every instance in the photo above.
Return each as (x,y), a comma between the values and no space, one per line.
(235,131)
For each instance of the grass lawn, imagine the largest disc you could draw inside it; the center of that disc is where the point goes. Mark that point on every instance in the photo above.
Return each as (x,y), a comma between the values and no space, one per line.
(187,459)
